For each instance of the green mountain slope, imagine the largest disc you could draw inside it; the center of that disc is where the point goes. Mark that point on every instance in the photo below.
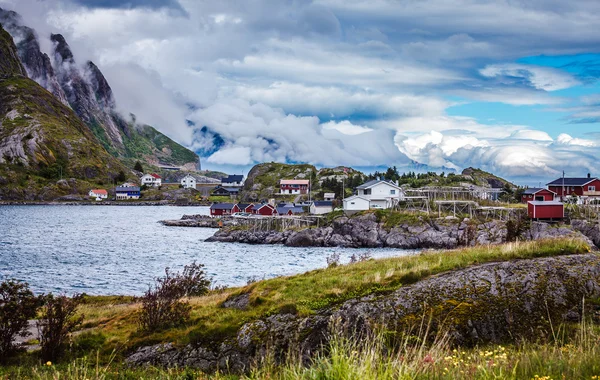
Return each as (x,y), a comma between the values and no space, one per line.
(42,140)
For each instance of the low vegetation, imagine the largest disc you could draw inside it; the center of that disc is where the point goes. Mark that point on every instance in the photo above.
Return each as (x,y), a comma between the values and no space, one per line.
(111,325)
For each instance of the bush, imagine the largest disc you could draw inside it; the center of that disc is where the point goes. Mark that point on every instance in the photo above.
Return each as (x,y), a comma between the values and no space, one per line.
(18,305)
(138,166)
(57,322)
(162,304)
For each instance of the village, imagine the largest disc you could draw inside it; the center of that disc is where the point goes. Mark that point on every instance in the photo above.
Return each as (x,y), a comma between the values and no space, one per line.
(295,197)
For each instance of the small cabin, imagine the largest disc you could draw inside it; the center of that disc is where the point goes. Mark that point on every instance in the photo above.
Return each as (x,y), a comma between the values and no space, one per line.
(537,194)
(551,210)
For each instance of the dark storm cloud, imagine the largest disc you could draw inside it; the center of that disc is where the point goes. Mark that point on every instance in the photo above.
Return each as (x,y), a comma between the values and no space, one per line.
(125,4)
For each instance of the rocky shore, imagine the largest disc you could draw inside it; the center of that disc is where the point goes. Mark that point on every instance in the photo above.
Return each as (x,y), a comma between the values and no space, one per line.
(494,302)
(366,232)
(204,221)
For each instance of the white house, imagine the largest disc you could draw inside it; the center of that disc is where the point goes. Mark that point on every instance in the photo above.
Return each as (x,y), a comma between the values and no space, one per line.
(380,195)
(233,180)
(188,182)
(151,180)
(329,196)
(99,194)
(321,207)
(356,203)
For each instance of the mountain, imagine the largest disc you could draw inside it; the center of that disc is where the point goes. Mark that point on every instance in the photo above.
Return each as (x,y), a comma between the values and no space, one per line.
(86,90)
(42,140)
(483,178)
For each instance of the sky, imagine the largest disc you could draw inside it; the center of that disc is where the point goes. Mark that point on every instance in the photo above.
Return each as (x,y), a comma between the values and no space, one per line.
(507,86)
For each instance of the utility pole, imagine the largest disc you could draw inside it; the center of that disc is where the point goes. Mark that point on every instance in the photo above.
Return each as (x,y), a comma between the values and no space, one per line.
(562,197)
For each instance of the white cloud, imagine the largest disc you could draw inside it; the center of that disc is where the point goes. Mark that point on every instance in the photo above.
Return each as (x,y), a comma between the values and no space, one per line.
(541,78)
(346,127)
(530,134)
(565,139)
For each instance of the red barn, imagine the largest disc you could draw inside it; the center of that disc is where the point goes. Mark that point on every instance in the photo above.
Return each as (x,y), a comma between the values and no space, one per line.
(265,209)
(536,194)
(588,187)
(545,210)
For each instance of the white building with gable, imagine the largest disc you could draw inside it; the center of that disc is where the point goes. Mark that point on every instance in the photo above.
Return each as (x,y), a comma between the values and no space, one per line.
(189,182)
(375,194)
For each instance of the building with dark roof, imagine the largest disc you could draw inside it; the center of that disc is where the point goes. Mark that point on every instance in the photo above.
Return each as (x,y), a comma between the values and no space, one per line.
(537,194)
(127,192)
(225,191)
(581,187)
(218,209)
(233,180)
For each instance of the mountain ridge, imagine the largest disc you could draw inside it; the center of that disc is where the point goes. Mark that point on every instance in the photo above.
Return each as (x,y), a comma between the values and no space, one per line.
(86,90)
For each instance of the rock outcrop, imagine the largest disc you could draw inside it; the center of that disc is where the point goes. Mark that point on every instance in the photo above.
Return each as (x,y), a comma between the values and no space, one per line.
(365,232)
(493,302)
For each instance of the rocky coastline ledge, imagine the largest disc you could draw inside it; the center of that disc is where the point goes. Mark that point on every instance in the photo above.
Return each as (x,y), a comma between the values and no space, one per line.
(366,231)
(493,302)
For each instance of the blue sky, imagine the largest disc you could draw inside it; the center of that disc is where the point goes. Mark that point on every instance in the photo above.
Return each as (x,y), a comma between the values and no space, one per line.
(507,87)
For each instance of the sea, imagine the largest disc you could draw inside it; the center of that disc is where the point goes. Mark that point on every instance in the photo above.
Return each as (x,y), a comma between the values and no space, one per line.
(121,250)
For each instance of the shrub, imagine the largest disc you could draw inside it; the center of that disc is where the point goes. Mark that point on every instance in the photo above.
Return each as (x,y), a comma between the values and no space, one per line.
(162,304)
(333,260)
(18,305)
(57,321)
(138,167)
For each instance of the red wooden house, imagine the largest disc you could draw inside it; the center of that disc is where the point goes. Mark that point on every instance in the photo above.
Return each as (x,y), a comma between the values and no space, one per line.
(583,187)
(549,210)
(264,209)
(245,207)
(536,194)
(294,186)
(219,209)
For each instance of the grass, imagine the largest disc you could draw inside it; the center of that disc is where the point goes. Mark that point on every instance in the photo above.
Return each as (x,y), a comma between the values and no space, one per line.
(110,327)
(573,354)
(302,294)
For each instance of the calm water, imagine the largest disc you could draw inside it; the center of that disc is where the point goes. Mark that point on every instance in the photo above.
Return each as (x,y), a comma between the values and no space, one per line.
(120,249)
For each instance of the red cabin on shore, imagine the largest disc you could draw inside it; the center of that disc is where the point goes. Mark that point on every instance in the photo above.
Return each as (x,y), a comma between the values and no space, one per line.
(545,210)
(219,209)
(536,194)
(265,209)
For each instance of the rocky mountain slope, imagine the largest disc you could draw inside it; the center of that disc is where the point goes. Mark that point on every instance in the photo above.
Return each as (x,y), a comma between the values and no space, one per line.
(88,93)
(42,139)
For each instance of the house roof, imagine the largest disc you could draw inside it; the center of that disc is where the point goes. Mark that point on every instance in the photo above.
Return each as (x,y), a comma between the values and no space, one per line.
(100,191)
(188,175)
(244,206)
(323,203)
(285,210)
(374,182)
(355,197)
(265,204)
(294,182)
(535,190)
(227,189)
(221,206)
(571,181)
(127,189)
(546,203)
(233,178)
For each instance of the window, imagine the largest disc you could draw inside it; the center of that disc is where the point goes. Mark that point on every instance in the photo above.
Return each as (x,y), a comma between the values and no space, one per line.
(591,188)
(351,203)
(367,192)
(392,192)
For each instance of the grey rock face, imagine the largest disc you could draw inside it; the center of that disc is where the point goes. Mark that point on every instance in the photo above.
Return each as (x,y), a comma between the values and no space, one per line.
(493,302)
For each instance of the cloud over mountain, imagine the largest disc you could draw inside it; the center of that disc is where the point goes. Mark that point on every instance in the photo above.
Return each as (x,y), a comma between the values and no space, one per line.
(367,83)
